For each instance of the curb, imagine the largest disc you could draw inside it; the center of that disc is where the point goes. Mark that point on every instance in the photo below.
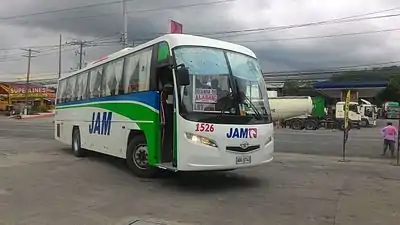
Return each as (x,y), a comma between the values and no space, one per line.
(37,116)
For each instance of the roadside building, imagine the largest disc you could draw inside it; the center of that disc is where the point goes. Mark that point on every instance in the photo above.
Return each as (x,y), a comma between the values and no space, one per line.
(14,94)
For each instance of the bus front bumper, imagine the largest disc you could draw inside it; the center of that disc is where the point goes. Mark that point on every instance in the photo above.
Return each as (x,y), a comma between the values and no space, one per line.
(201,158)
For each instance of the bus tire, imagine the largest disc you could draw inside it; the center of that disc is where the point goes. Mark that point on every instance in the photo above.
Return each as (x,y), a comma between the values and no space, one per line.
(137,158)
(76,143)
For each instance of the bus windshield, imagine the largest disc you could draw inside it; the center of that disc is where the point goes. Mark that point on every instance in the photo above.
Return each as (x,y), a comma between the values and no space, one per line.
(224,84)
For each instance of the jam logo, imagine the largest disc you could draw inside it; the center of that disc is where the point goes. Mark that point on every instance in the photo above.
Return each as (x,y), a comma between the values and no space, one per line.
(101,123)
(242,133)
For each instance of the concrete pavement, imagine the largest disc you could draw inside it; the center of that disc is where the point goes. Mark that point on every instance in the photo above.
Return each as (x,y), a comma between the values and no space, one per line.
(42,183)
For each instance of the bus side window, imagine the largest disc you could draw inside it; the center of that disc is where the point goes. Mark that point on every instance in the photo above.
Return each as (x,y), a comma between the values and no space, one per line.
(83,81)
(61,92)
(68,90)
(80,88)
(137,71)
(130,81)
(144,70)
(108,76)
(77,88)
(118,69)
(112,77)
(73,94)
(95,82)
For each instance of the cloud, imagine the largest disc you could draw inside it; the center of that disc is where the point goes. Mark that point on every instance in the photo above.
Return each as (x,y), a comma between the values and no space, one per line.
(104,23)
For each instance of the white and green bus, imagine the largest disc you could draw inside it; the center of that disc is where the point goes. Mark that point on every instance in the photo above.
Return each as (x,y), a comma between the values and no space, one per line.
(178,102)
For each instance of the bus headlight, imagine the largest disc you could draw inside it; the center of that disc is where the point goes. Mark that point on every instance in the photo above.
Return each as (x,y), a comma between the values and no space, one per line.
(200,139)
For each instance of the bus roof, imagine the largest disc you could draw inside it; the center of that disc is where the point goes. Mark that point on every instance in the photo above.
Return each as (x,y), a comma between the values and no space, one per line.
(173,40)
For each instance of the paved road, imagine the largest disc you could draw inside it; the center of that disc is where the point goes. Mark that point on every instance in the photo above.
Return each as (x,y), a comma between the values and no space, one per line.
(42,183)
(365,142)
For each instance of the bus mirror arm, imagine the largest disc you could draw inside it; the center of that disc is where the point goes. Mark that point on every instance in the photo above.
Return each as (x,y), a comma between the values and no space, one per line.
(168,89)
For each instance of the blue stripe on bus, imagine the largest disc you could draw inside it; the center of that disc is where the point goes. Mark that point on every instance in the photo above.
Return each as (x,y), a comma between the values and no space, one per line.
(150,98)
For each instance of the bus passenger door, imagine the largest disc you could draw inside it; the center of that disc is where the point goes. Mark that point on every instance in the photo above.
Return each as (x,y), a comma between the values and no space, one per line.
(166,117)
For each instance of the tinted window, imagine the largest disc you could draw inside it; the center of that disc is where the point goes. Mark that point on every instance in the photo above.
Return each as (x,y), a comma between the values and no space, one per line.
(95,82)
(61,91)
(69,90)
(81,86)
(111,82)
(137,71)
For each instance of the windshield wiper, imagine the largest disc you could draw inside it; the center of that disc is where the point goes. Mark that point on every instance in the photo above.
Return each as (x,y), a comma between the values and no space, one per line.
(256,112)
(236,97)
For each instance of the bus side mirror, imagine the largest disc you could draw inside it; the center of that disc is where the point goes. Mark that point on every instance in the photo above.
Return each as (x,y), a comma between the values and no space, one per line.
(183,76)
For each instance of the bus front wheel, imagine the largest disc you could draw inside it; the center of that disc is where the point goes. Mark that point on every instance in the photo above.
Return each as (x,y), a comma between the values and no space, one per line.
(137,158)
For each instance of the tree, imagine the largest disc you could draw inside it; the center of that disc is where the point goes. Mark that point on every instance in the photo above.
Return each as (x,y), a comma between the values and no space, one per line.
(291,87)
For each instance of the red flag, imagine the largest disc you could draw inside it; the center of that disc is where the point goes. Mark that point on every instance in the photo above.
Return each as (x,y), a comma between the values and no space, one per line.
(176,28)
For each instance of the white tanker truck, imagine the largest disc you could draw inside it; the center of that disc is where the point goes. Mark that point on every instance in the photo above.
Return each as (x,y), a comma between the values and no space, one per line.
(287,107)
(296,113)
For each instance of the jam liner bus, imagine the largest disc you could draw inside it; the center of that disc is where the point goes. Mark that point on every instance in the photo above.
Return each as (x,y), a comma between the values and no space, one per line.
(178,102)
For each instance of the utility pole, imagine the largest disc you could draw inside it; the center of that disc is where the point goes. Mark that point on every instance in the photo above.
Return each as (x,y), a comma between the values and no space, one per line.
(59,58)
(27,76)
(125,15)
(80,52)
(80,55)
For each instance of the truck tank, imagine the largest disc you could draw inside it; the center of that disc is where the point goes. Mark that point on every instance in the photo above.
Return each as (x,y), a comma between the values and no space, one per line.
(286,107)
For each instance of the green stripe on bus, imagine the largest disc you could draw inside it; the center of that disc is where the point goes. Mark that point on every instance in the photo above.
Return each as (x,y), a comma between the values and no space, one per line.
(136,113)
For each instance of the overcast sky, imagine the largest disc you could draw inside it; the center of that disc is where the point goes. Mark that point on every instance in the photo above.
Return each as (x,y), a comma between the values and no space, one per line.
(274,50)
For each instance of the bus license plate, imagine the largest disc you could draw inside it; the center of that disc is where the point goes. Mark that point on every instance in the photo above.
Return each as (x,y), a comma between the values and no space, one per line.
(243,159)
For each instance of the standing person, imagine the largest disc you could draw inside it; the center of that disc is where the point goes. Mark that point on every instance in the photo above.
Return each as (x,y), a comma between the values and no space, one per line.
(389,134)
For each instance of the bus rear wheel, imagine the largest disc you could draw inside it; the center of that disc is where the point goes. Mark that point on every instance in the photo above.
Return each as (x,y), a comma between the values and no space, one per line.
(137,158)
(76,143)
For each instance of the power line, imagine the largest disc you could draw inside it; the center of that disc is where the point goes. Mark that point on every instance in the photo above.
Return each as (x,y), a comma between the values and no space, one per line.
(285,27)
(331,69)
(50,48)
(180,6)
(352,18)
(36,47)
(347,19)
(111,14)
(320,36)
(51,52)
(61,10)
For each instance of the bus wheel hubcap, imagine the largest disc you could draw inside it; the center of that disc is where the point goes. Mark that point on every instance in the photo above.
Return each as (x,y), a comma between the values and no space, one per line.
(141,156)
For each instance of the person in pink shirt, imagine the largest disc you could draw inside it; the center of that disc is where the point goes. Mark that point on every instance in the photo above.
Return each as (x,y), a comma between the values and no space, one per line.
(389,134)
